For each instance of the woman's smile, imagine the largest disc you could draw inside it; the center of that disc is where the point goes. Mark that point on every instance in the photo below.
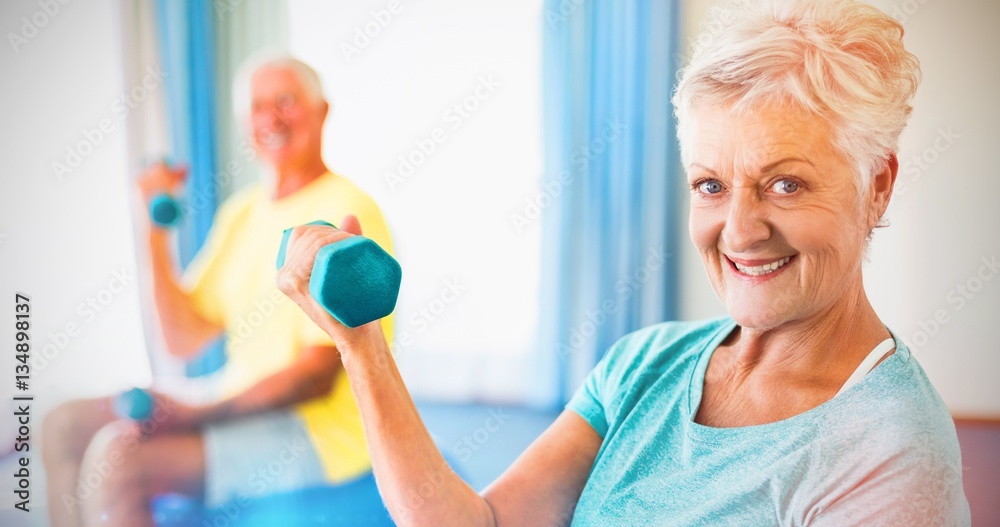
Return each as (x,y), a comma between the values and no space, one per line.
(758,270)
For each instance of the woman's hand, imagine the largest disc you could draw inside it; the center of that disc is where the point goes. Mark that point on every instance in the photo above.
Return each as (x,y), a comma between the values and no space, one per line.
(161,178)
(293,280)
(417,485)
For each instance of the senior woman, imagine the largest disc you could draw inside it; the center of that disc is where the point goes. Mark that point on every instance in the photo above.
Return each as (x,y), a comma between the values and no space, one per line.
(801,408)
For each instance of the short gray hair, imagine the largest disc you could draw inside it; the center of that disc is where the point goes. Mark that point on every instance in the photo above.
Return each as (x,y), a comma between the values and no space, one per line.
(277,60)
(843,60)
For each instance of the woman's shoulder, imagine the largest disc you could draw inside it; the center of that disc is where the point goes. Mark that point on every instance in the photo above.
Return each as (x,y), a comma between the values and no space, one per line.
(897,407)
(672,335)
(887,444)
(906,390)
(661,355)
(661,347)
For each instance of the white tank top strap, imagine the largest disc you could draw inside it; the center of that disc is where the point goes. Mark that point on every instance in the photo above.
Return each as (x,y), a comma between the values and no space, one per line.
(866,365)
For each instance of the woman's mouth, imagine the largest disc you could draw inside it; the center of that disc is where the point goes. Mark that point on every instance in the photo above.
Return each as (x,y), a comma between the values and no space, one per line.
(757,268)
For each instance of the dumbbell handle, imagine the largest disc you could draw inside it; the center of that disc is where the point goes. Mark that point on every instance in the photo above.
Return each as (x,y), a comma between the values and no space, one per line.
(288,234)
(354,279)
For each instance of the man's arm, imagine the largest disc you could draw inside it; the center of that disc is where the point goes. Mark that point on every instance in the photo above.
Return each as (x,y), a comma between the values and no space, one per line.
(185,331)
(310,376)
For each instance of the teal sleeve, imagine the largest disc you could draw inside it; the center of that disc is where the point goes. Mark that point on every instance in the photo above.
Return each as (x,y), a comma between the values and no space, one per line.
(596,401)
(587,402)
(627,367)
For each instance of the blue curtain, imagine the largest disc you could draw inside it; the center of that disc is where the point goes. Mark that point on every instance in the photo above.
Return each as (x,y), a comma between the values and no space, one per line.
(187,44)
(611,162)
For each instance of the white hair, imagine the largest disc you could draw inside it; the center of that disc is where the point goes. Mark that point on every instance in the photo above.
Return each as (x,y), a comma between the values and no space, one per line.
(840,59)
(267,60)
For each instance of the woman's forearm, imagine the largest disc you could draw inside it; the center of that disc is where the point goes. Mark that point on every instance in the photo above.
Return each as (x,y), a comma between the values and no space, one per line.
(418,486)
(185,331)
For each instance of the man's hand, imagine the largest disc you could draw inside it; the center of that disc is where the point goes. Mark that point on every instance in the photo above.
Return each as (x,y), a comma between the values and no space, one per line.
(161,178)
(171,416)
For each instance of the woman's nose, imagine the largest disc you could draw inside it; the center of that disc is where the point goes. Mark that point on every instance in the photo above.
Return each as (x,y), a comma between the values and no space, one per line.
(746,223)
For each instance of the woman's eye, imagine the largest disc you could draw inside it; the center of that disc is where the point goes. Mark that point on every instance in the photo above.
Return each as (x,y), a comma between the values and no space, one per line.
(785,186)
(710,187)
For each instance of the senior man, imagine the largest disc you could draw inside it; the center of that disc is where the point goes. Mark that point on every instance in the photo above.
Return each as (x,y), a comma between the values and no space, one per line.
(284,394)
(800,407)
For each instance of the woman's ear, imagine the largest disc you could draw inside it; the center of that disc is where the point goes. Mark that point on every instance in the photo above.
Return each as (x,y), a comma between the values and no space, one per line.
(882,185)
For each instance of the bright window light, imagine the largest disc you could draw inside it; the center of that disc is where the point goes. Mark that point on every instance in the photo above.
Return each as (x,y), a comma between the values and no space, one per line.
(436,112)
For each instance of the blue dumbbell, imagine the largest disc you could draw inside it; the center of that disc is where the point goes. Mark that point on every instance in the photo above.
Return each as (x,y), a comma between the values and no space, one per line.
(135,404)
(164,210)
(354,279)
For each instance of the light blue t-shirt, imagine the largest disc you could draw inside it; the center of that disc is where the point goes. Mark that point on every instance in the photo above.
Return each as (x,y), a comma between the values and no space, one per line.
(884,452)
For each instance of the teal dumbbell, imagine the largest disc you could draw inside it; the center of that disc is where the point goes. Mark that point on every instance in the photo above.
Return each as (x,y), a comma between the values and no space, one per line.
(354,279)
(135,404)
(164,210)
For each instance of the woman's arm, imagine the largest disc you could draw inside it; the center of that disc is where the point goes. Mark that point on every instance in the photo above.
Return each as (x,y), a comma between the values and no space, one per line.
(543,485)
(912,479)
(541,488)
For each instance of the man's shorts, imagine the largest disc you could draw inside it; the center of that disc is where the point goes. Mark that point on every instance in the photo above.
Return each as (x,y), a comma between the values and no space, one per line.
(258,455)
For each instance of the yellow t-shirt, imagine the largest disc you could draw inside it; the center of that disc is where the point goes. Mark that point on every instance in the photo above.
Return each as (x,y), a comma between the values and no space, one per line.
(232,284)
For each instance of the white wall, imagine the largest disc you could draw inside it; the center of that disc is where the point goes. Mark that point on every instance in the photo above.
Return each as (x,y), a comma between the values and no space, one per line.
(63,241)
(946,220)
(66,238)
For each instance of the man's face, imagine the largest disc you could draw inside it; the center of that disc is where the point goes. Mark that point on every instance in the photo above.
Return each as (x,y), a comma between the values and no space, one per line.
(286,123)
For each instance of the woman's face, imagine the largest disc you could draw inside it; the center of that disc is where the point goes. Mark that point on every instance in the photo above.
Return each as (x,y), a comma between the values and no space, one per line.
(775,214)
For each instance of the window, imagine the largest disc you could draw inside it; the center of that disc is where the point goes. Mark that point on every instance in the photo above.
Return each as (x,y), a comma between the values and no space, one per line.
(436,112)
